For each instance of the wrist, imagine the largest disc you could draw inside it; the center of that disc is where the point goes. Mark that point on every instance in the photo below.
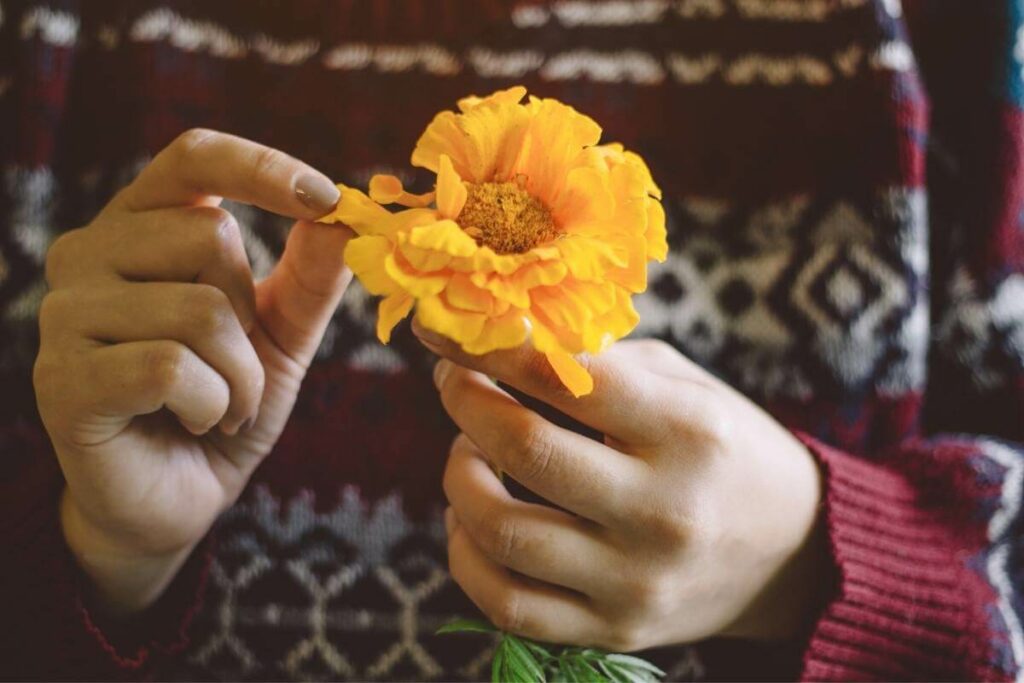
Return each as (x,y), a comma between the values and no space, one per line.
(796,591)
(122,579)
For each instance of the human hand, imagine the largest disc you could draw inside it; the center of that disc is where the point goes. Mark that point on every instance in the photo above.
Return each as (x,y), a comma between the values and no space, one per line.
(694,518)
(153,305)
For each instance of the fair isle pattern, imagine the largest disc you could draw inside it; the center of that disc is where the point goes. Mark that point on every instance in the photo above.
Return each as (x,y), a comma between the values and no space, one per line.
(802,297)
(984,331)
(791,299)
(790,138)
(1001,561)
(293,591)
(61,29)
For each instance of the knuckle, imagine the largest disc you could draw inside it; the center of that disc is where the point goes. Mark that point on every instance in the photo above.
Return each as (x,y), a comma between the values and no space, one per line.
(53,312)
(533,449)
(648,593)
(61,256)
(209,309)
(624,637)
(499,536)
(220,229)
(657,350)
(189,142)
(267,161)
(667,525)
(166,365)
(506,611)
(46,376)
(714,422)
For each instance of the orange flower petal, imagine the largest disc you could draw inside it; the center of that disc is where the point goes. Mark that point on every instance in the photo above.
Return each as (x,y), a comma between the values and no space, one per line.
(589,258)
(482,143)
(499,332)
(573,375)
(451,193)
(391,311)
(387,189)
(502,288)
(462,293)
(415,283)
(358,212)
(557,135)
(444,236)
(462,326)
(423,260)
(586,198)
(617,322)
(365,256)
(512,95)
(540,273)
(657,237)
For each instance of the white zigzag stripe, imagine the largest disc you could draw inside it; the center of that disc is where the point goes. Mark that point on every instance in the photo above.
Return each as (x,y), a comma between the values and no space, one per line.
(998,559)
(630,66)
(604,67)
(573,13)
(54,28)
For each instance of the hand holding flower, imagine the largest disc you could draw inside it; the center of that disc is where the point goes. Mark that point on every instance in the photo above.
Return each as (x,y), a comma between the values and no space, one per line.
(694,518)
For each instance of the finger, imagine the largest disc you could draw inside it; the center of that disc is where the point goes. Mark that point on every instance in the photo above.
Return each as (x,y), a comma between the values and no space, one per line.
(577,473)
(519,605)
(536,540)
(202,166)
(198,316)
(660,358)
(198,244)
(619,405)
(113,384)
(296,302)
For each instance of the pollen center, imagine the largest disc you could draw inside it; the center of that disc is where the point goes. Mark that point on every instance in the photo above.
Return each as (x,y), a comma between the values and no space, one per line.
(506,218)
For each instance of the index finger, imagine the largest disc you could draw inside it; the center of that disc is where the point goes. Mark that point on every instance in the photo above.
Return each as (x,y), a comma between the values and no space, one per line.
(203,166)
(579,474)
(619,406)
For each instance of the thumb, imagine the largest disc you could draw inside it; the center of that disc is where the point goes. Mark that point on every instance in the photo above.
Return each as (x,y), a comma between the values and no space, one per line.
(295,303)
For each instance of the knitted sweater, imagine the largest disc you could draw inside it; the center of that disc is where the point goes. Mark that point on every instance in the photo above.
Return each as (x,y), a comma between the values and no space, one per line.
(843,182)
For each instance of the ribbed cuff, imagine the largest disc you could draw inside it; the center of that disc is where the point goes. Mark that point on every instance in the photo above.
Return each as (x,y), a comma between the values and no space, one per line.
(903,606)
(46,631)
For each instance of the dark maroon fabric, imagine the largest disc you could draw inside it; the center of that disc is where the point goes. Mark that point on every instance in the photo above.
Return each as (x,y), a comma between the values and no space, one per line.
(843,184)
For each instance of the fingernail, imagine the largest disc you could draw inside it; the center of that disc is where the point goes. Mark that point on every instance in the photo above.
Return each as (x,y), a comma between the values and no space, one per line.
(441,371)
(428,337)
(317,192)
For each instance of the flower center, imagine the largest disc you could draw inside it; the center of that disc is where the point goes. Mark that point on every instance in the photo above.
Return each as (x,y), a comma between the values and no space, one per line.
(506,218)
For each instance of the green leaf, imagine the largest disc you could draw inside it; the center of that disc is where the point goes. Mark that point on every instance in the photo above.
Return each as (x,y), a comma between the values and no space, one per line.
(635,663)
(498,664)
(584,672)
(622,674)
(524,660)
(538,650)
(566,672)
(466,626)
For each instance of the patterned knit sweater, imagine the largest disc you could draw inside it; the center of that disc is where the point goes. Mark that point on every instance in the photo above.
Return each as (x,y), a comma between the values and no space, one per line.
(844,182)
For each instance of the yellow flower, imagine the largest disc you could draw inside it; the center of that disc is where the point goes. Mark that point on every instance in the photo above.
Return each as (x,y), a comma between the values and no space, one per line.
(534,232)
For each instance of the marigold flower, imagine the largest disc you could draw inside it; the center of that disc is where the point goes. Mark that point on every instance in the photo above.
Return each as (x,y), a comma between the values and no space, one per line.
(534,232)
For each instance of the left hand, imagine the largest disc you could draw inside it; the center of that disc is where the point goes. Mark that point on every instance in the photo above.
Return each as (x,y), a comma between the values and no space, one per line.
(694,518)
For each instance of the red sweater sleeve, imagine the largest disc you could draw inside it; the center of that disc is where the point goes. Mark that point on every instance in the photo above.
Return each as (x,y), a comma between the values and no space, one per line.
(47,630)
(920,538)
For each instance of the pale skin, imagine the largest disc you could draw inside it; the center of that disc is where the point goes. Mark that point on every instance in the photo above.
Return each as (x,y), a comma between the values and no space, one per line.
(166,374)
(153,306)
(696,516)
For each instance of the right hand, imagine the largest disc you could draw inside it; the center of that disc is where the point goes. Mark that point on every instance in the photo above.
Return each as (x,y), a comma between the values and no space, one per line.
(165,374)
